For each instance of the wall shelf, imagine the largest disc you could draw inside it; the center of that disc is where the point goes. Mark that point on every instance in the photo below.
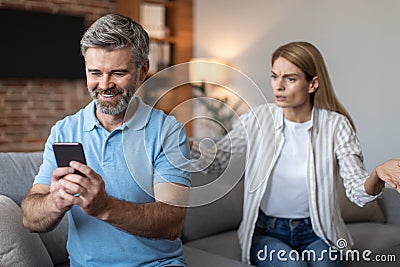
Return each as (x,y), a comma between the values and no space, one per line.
(177,39)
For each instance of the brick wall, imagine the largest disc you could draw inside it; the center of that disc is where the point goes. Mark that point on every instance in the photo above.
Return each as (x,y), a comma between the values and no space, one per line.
(28,108)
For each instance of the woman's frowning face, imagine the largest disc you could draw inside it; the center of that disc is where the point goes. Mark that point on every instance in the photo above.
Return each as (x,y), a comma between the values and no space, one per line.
(290,87)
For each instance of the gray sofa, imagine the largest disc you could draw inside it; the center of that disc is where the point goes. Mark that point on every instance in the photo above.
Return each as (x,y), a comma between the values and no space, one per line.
(209,233)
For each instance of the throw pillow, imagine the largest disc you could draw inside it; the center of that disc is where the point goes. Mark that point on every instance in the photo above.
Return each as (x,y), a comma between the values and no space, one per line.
(18,247)
(372,212)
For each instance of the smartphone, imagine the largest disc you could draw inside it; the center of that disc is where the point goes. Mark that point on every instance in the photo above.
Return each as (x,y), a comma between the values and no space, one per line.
(68,151)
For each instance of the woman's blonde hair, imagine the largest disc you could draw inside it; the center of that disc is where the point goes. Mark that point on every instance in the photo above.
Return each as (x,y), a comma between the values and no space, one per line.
(309,59)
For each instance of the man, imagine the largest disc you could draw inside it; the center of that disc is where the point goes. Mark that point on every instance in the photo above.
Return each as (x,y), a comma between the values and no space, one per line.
(117,210)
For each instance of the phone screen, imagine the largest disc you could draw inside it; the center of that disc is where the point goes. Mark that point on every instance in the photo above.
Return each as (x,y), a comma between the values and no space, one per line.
(66,152)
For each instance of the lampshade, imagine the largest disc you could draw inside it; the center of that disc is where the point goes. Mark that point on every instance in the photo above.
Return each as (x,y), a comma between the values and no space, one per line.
(208,70)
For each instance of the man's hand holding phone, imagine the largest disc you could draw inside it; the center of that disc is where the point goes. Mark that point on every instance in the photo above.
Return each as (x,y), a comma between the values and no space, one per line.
(58,191)
(76,182)
(86,191)
(65,152)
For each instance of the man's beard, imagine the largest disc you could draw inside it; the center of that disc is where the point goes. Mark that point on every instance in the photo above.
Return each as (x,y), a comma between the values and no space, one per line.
(112,107)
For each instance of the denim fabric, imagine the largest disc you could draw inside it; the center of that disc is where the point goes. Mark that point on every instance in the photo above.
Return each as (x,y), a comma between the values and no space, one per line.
(289,242)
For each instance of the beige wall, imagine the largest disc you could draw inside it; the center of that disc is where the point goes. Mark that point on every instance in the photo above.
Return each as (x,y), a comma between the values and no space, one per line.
(359,39)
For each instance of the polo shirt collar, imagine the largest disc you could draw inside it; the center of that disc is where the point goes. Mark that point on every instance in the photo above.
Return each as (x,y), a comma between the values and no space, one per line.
(90,120)
(139,119)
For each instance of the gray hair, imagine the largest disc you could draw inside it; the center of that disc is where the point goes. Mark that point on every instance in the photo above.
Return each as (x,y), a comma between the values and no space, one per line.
(114,31)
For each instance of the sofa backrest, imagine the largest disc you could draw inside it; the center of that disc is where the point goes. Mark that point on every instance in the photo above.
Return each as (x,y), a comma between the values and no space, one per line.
(218,216)
(351,213)
(223,214)
(17,171)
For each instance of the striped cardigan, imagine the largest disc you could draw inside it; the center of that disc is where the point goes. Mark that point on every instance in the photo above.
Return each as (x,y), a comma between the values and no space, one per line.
(334,152)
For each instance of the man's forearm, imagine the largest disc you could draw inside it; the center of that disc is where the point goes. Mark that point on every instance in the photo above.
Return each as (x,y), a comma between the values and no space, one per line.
(152,220)
(38,214)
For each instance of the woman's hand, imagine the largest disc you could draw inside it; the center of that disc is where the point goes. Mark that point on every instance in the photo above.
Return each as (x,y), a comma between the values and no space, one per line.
(389,172)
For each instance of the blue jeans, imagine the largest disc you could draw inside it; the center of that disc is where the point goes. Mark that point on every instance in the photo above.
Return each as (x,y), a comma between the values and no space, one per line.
(289,242)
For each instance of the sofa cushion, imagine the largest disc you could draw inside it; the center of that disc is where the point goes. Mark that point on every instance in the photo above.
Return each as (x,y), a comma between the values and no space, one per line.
(18,247)
(55,242)
(222,215)
(372,212)
(200,258)
(390,203)
(225,244)
(18,170)
(376,237)
(380,239)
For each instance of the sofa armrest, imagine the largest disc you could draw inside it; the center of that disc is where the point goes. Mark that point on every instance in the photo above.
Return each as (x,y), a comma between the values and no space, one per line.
(390,203)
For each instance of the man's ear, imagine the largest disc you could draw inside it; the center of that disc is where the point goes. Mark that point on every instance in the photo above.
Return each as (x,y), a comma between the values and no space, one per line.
(313,85)
(144,70)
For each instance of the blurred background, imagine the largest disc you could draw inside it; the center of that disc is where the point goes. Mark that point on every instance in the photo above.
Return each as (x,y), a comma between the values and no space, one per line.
(359,40)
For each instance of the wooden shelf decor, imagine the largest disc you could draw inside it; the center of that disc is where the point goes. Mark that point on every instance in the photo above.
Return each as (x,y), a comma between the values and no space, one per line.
(171,43)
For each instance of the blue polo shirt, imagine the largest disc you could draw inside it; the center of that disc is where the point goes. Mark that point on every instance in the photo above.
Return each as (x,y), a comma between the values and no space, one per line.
(150,147)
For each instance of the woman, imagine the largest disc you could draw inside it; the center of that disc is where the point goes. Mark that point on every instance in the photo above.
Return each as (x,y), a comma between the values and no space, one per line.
(289,197)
